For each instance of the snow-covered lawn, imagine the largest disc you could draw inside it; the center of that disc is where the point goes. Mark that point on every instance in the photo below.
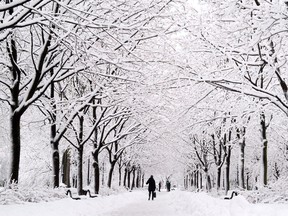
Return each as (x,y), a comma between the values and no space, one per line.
(174,203)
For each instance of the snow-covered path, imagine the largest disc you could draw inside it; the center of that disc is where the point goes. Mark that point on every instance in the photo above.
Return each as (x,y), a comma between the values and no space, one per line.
(174,203)
(160,206)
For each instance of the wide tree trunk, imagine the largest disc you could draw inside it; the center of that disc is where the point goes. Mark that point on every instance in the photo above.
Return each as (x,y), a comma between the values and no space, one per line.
(15,116)
(15,148)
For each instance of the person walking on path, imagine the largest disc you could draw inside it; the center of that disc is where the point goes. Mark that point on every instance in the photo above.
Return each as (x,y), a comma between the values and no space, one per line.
(168,185)
(151,187)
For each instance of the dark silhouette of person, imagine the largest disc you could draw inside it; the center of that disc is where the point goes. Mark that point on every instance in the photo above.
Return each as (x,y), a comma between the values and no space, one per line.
(159,186)
(168,185)
(151,186)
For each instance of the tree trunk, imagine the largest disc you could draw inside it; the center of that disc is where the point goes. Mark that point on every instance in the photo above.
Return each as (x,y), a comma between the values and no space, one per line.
(196,182)
(242,163)
(227,170)
(80,156)
(264,165)
(138,178)
(55,157)
(96,173)
(247,181)
(80,170)
(200,180)
(218,158)
(241,170)
(54,143)
(218,178)
(129,178)
(206,171)
(208,180)
(110,174)
(120,175)
(66,168)
(15,117)
(143,176)
(133,179)
(125,177)
(15,148)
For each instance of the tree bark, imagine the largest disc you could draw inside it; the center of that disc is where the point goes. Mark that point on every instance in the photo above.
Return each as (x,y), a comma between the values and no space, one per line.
(241,142)
(80,170)
(125,177)
(143,176)
(200,180)
(120,175)
(138,178)
(227,149)
(15,148)
(55,157)
(110,174)
(80,150)
(242,163)
(192,180)
(227,170)
(196,182)
(218,178)
(96,173)
(66,168)
(208,179)
(264,165)
(133,179)
(129,178)
(15,116)
(54,143)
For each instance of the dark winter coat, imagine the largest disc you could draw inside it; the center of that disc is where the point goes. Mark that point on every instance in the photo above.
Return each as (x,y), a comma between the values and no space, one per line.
(152,184)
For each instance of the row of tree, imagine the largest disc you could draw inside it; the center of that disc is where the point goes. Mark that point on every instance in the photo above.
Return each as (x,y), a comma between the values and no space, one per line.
(77,62)
(107,76)
(243,66)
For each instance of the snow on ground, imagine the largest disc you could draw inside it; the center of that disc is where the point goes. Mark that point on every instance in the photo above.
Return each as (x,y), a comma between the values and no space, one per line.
(174,203)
